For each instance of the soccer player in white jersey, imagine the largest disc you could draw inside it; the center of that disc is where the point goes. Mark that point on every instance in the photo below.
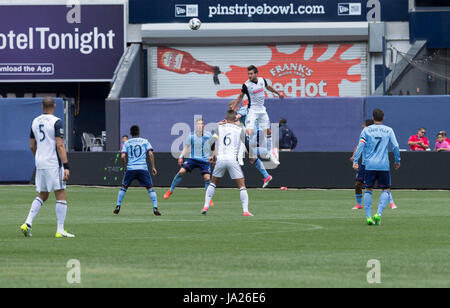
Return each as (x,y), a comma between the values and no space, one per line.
(230,138)
(254,89)
(52,167)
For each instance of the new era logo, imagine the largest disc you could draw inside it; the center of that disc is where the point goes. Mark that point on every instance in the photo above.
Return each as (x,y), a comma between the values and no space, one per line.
(349,9)
(186,10)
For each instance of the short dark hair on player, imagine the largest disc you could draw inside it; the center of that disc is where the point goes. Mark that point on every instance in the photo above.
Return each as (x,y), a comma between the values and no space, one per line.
(231,115)
(378,115)
(368,122)
(134,130)
(253,68)
(48,103)
(283,121)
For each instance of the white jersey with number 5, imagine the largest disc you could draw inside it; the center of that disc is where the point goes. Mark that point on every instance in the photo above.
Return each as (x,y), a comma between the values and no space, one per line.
(230,139)
(44,130)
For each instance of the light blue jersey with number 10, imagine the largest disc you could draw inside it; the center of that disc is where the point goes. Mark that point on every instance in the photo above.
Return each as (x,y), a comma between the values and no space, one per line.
(136,149)
(374,142)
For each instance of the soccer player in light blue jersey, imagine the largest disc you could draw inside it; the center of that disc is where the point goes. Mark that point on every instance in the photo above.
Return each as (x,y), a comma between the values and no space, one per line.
(197,151)
(360,178)
(241,116)
(134,158)
(374,142)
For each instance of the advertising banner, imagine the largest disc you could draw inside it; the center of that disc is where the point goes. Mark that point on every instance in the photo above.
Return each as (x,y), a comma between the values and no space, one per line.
(303,70)
(156,11)
(60,43)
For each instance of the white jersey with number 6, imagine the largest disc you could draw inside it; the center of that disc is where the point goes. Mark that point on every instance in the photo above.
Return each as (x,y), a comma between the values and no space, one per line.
(44,130)
(230,139)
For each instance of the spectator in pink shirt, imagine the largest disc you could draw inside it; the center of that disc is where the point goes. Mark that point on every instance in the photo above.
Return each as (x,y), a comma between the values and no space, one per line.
(441,143)
(445,135)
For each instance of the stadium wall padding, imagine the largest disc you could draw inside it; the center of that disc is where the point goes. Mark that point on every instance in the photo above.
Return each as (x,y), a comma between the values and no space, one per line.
(406,114)
(419,170)
(16,116)
(320,124)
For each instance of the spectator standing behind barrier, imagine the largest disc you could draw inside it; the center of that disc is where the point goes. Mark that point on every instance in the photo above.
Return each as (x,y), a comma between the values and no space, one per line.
(441,143)
(419,142)
(124,139)
(288,141)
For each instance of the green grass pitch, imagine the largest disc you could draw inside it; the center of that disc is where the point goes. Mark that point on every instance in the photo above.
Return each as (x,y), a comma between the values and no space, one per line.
(297,238)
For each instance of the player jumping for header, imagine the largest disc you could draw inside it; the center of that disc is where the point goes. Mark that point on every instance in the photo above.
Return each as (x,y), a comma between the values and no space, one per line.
(254,89)
(375,140)
(241,116)
(199,145)
(229,140)
(134,158)
(52,167)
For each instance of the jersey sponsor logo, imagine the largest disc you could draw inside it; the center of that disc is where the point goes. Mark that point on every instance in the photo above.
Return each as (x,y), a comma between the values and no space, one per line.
(258,91)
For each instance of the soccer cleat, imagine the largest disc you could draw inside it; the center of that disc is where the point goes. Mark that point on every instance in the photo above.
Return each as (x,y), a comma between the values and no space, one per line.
(369,221)
(267,181)
(248,214)
(273,159)
(64,234)
(167,194)
(204,211)
(377,219)
(393,206)
(26,230)
(117,210)
(211,203)
(156,212)
(357,207)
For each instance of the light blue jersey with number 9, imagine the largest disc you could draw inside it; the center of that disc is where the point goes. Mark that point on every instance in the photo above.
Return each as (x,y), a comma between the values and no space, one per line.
(136,149)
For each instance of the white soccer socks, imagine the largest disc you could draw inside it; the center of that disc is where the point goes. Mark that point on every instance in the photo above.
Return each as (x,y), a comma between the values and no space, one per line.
(209,194)
(61,211)
(244,199)
(35,207)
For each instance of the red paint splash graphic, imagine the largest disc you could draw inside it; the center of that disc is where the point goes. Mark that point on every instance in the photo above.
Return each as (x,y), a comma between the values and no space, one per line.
(296,76)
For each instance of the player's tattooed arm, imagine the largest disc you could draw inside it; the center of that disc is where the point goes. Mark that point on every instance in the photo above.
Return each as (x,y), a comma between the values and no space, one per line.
(152,160)
(271,89)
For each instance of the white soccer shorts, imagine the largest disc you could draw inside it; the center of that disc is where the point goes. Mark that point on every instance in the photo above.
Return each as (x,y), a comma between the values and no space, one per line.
(232,166)
(262,118)
(48,180)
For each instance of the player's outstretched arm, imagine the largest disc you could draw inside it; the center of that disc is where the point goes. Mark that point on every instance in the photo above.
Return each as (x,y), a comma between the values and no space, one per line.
(152,160)
(271,89)
(61,149)
(233,104)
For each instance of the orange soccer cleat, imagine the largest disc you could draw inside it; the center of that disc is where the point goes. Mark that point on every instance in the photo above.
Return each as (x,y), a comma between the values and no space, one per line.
(167,194)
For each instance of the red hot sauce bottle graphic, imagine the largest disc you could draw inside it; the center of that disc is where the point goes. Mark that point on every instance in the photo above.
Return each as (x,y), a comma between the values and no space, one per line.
(182,62)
